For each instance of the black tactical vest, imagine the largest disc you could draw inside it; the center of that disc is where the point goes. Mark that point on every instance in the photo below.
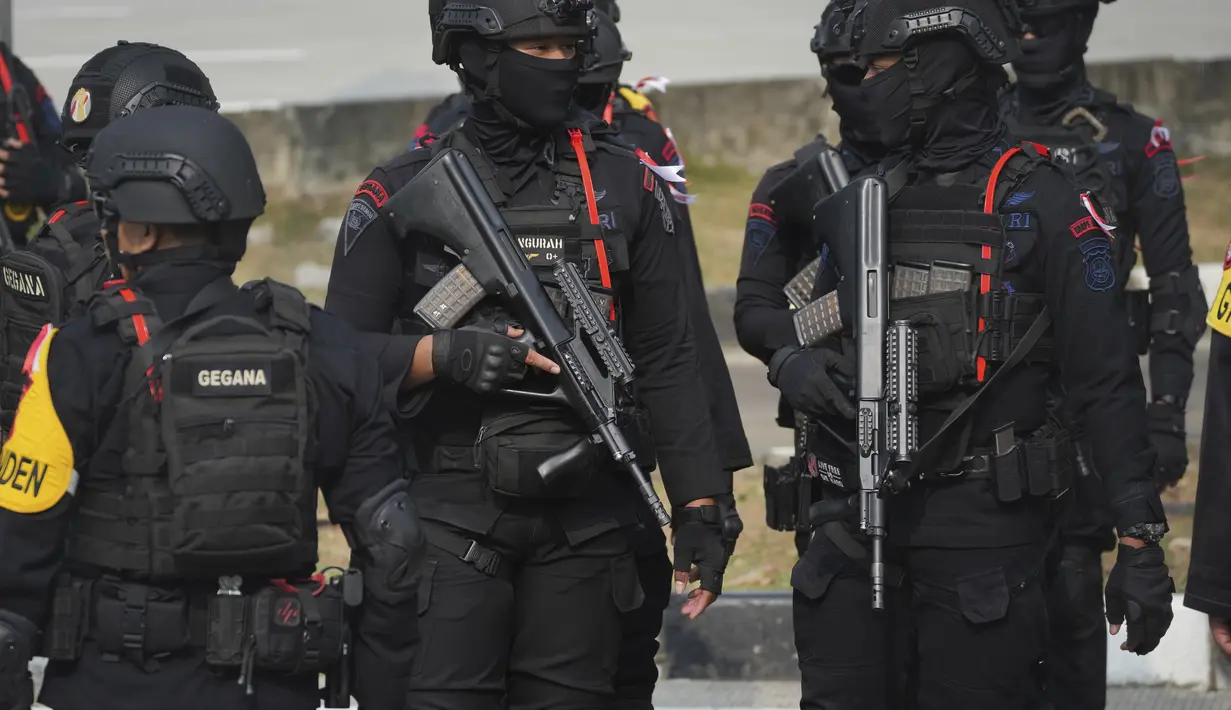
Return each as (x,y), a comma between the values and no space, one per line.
(567,230)
(214,478)
(48,283)
(948,252)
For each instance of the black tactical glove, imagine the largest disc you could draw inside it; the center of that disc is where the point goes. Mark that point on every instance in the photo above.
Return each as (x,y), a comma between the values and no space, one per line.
(16,650)
(807,382)
(701,539)
(30,178)
(477,358)
(1167,438)
(1140,589)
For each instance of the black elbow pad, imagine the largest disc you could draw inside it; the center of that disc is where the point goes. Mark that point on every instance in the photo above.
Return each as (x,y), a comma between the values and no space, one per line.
(1178,305)
(388,535)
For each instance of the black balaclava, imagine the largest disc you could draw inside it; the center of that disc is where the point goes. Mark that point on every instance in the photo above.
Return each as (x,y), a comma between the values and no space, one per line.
(594,97)
(518,100)
(1051,72)
(961,119)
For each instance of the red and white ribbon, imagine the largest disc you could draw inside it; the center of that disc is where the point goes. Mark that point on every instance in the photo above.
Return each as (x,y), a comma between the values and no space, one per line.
(1098,219)
(657,83)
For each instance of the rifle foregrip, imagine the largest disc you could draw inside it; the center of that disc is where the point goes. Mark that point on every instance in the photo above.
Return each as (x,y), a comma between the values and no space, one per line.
(590,319)
(450,299)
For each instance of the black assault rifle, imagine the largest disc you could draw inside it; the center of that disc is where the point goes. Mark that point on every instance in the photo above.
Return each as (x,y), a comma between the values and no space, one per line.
(886,387)
(448,201)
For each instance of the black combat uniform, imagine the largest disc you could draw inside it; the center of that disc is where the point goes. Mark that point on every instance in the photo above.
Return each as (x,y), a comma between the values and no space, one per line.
(39,175)
(1127,160)
(524,592)
(778,244)
(965,622)
(1209,572)
(66,257)
(123,539)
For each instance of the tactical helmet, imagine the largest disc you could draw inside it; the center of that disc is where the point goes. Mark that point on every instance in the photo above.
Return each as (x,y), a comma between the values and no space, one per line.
(606,54)
(610,8)
(505,20)
(1048,7)
(122,79)
(867,28)
(177,165)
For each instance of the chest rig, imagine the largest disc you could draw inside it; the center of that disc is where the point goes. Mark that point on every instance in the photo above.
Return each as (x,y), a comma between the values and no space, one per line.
(950,275)
(569,227)
(214,474)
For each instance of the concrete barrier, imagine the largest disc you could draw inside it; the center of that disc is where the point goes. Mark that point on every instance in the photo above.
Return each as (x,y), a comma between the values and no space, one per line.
(310,150)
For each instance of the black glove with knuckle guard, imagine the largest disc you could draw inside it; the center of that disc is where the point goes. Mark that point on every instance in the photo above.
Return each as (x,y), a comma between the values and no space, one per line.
(1139,589)
(16,650)
(477,358)
(1167,437)
(807,380)
(702,539)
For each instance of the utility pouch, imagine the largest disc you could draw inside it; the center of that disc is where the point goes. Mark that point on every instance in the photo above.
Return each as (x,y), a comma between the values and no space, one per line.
(942,322)
(298,629)
(227,634)
(536,454)
(70,617)
(782,491)
(1008,475)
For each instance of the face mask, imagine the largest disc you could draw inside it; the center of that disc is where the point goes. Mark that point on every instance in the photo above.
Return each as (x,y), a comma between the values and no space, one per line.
(1048,58)
(537,90)
(594,97)
(877,110)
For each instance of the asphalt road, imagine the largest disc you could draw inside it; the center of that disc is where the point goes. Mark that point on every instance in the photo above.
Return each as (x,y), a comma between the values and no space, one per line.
(271,52)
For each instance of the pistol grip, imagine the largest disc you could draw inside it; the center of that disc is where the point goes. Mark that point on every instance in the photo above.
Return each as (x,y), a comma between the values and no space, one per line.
(563,462)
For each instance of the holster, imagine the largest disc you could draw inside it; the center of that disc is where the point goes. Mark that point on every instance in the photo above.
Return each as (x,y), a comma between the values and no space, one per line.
(1039,467)
(785,488)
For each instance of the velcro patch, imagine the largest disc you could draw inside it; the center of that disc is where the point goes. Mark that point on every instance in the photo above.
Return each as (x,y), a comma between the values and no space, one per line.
(542,251)
(23,283)
(1018,221)
(1099,270)
(375,190)
(1082,226)
(665,208)
(359,215)
(1018,198)
(234,378)
(36,465)
(1166,175)
(760,211)
(647,180)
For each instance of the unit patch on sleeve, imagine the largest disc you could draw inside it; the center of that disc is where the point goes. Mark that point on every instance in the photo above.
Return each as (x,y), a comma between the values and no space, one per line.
(358,216)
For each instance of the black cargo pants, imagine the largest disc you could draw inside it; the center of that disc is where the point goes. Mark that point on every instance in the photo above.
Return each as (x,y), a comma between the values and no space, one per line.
(636,670)
(544,631)
(965,628)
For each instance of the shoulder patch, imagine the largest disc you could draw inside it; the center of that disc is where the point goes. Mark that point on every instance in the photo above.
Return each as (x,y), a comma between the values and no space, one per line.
(760,211)
(1018,198)
(359,215)
(375,190)
(1099,270)
(36,465)
(1166,175)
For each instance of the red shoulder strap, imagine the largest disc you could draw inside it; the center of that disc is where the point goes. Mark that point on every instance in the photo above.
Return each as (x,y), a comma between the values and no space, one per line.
(579,148)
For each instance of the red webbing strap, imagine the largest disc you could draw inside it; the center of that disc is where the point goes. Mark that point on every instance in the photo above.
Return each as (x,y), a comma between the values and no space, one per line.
(6,82)
(609,112)
(603,270)
(985,280)
(143,332)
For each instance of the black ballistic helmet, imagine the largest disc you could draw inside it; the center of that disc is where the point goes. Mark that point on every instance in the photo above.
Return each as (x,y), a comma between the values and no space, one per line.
(177,165)
(867,28)
(606,56)
(610,8)
(122,79)
(505,20)
(1030,8)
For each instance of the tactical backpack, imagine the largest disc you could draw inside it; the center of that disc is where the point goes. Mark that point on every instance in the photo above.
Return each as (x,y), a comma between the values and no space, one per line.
(220,412)
(49,282)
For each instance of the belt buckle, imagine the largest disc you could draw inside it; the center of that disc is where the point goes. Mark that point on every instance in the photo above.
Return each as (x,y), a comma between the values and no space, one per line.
(486,561)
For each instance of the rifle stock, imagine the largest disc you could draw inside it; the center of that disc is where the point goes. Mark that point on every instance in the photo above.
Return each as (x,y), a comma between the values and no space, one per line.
(448,201)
